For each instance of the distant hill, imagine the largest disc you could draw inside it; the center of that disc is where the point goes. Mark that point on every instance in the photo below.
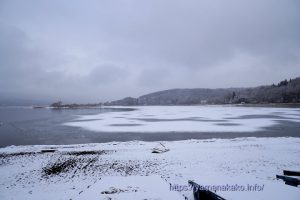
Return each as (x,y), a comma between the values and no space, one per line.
(287,91)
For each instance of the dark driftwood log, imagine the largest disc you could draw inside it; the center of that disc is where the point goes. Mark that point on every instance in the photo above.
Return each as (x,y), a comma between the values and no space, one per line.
(289,180)
(291,173)
(200,194)
(48,150)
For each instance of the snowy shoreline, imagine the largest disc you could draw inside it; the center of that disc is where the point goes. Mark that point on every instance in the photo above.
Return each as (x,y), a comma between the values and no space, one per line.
(128,170)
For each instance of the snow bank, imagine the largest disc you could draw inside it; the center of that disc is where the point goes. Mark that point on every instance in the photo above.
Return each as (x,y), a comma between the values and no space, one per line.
(129,170)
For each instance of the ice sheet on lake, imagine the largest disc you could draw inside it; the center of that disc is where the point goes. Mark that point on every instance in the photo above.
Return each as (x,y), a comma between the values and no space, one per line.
(187,119)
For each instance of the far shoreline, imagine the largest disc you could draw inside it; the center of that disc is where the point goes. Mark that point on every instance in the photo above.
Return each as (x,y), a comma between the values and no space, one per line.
(88,106)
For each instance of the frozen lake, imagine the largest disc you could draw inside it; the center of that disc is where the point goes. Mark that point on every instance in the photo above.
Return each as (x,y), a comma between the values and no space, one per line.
(187,119)
(260,150)
(26,126)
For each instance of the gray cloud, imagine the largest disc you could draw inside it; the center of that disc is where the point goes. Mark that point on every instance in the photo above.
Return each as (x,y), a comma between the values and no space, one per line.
(103,50)
(107,74)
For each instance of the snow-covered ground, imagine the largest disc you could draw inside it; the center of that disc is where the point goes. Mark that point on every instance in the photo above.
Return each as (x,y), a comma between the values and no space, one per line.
(128,170)
(187,119)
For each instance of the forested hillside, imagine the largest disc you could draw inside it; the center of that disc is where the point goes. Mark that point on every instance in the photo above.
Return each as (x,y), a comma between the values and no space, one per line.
(287,91)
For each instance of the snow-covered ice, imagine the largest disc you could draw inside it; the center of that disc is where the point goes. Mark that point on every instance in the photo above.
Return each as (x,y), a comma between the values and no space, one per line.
(187,119)
(128,170)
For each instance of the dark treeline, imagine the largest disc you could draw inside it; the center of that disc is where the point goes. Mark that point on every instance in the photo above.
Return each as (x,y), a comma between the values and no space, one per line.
(59,104)
(287,91)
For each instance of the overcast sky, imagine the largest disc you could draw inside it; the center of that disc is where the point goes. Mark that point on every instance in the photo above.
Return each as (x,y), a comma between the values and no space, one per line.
(108,49)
